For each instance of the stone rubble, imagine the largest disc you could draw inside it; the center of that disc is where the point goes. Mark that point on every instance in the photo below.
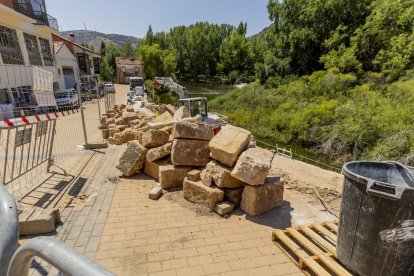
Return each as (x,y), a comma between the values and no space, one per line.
(182,152)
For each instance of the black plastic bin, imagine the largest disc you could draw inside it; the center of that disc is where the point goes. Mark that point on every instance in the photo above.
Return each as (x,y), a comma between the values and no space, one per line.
(376,227)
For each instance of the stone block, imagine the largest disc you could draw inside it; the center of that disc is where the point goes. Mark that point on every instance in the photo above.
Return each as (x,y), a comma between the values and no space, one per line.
(130,134)
(159,152)
(112,131)
(181,113)
(129,108)
(153,168)
(206,178)
(38,221)
(192,131)
(116,139)
(105,133)
(119,121)
(172,176)
(197,192)
(253,166)
(167,107)
(257,200)
(155,193)
(110,121)
(135,122)
(228,144)
(194,175)
(129,116)
(132,160)
(221,175)
(224,208)
(154,138)
(233,195)
(163,118)
(190,153)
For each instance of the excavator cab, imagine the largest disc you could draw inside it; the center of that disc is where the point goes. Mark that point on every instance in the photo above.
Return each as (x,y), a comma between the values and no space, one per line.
(196,106)
(199,106)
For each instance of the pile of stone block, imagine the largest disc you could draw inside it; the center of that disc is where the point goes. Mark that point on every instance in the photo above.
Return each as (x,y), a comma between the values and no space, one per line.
(220,172)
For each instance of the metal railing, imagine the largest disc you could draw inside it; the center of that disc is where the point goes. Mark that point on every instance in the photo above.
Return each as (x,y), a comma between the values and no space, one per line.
(41,17)
(9,229)
(64,258)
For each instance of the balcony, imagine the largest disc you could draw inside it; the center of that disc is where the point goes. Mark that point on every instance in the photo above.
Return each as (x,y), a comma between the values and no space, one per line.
(41,17)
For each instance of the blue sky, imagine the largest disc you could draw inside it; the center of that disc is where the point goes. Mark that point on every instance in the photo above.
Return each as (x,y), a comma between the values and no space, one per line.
(131,17)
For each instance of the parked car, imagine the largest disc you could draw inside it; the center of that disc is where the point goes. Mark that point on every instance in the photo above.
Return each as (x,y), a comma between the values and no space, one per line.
(109,87)
(67,98)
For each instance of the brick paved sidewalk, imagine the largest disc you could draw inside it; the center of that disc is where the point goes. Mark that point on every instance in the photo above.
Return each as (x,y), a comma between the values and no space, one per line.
(145,237)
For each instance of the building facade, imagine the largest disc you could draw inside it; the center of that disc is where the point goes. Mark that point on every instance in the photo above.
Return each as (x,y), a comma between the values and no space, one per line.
(27,61)
(128,67)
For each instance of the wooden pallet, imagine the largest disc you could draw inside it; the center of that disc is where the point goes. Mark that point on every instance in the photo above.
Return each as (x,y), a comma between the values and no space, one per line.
(312,248)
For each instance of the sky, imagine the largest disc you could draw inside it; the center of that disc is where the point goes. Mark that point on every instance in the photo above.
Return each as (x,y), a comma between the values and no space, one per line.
(132,17)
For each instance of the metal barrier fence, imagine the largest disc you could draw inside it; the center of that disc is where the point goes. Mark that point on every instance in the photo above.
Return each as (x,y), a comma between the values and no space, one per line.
(24,148)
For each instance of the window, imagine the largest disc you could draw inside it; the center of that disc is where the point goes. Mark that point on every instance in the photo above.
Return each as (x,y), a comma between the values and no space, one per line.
(9,46)
(4,96)
(96,65)
(83,61)
(32,49)
(46,52)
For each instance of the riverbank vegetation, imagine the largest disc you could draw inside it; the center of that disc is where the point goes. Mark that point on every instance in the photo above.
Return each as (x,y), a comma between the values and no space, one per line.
(332,75)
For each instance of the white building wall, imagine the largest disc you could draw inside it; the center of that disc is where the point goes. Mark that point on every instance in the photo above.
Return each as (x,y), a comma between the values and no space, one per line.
(64,58)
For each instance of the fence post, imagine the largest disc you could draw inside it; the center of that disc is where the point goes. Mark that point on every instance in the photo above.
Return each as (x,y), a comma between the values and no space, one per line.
(82,115)
(49,162)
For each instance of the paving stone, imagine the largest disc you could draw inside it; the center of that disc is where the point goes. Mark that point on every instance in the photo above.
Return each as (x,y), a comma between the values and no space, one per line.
(224,208)
(228,144)
(155,193)
(257,200)
(253,166)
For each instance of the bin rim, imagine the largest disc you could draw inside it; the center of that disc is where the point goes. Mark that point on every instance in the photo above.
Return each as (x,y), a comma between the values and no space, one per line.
(371,182)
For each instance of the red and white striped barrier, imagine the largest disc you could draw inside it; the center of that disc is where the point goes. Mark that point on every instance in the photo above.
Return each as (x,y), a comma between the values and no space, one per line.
(28,120)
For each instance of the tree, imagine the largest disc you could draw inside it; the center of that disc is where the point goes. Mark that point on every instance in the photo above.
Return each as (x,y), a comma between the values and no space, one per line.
(149,37)
(127,50)
(107,73)
(103,48)
(157,62)
(235,54)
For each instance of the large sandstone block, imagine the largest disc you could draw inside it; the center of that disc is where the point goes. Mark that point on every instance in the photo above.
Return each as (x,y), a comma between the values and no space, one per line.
(167,107)
(130,134)
(257,200)
(129,116)
(172,176)
(253,166)
(159,152)
(228,144)
(163,118)
(190,153)
(192,131)
(153,168)
(133,158)
(197,192)
(181,113)
(38,221)
(233,195)
(119,121)
(221,175)
(154,138)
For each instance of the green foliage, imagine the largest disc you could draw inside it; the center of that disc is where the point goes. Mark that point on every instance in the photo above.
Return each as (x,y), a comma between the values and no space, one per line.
(331,113)
(157,62)
(127,50)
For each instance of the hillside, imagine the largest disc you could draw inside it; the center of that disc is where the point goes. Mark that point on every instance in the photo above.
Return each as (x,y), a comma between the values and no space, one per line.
(95,38)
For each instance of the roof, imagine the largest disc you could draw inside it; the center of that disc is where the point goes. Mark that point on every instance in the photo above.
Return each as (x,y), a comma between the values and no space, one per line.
(57,45)
(127,61)
(65,40)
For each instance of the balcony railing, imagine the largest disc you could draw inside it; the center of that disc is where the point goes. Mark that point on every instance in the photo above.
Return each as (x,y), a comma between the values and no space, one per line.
(41,17)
